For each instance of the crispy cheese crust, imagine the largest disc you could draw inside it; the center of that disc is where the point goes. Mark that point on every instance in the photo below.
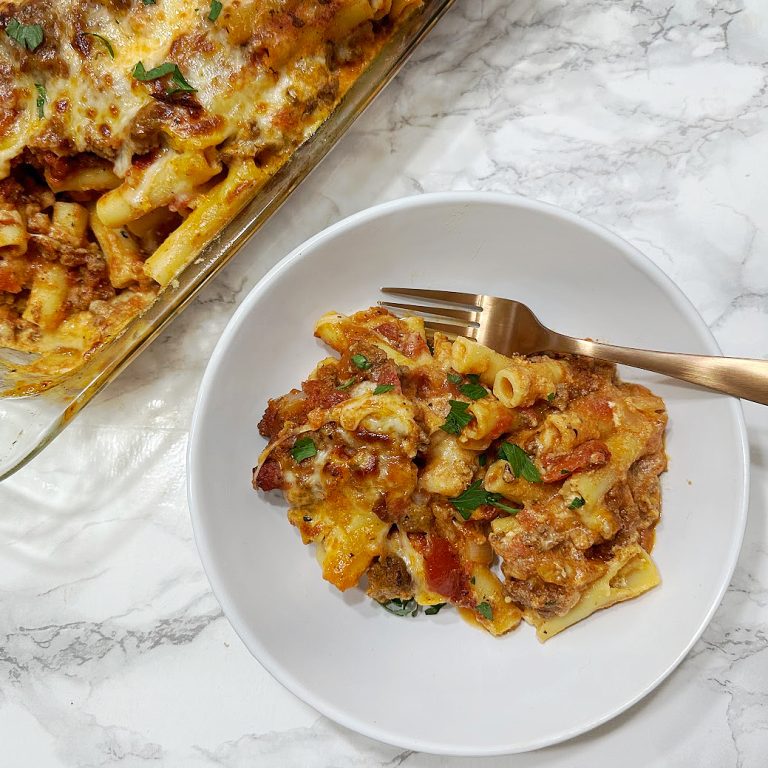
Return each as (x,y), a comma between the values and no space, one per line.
(130,132)
(389,481)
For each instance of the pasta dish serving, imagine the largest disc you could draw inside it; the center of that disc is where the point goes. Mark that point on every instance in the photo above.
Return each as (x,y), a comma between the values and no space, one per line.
(131,131)
(437,472)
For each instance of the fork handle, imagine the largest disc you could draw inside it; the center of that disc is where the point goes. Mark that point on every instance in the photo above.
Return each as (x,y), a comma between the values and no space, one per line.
(736,376)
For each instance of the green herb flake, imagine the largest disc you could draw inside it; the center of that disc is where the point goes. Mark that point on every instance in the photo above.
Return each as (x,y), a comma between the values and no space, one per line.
(361,362)
(473,390)
(578,501)
(454,378)
(485,610)
(482,459)
(458,417)
(401,607)
(181,84)
(551,396)
(496,502)
(148,2)
(521,464)
(476,496)
(104,41)
(433,609)
(303,448)
(216,7)
(346,384)
(143,74)
(382,388)
(472,498)
(42,99)
(169,68)
(29,36)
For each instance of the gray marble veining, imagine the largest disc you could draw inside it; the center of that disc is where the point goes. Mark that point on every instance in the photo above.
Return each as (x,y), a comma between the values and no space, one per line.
(649,117)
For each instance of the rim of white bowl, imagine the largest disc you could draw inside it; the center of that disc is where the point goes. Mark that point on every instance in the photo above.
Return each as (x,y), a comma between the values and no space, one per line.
(305,250)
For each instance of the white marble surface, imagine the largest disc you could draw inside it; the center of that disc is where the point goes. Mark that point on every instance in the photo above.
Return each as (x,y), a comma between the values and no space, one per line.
(647,116)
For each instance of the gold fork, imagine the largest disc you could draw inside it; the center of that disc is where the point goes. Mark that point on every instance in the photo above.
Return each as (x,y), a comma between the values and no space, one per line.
(509,326)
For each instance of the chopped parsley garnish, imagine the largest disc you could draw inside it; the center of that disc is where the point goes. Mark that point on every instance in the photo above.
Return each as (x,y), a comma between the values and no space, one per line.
(475,496)
(382,388)
(42,98)
(361,362)
(29,36)
(485,610)
(216,7)
(433,609)
(148,2)
(169,68)
(104,40)
(458,417)
(401,607)
(520,462)
(482,459)
(473,390)
(346,384)
(303,448)
(578,501)
(551,396)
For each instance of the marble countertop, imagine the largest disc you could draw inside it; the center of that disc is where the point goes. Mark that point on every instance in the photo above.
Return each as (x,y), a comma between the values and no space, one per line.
(647,116)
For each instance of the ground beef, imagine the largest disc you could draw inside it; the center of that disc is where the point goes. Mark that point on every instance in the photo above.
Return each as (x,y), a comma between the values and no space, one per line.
(323,393)
(291,407)
(388,578)
(544,598)
(589,455)
(269,477)
(643,480)
(408,343)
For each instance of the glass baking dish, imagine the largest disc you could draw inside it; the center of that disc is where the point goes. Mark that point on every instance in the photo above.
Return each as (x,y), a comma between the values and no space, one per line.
(29,423)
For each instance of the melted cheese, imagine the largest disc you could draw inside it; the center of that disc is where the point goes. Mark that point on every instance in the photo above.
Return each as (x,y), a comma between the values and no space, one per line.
(390,494)
(94,101)
(265,74)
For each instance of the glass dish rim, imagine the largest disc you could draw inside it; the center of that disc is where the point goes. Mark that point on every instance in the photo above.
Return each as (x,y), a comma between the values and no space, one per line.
(55,407)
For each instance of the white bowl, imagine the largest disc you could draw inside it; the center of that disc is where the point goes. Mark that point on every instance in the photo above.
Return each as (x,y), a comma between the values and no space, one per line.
(436,684)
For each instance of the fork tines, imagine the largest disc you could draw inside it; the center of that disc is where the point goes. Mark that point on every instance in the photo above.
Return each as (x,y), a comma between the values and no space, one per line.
(446,319)
(470,300)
